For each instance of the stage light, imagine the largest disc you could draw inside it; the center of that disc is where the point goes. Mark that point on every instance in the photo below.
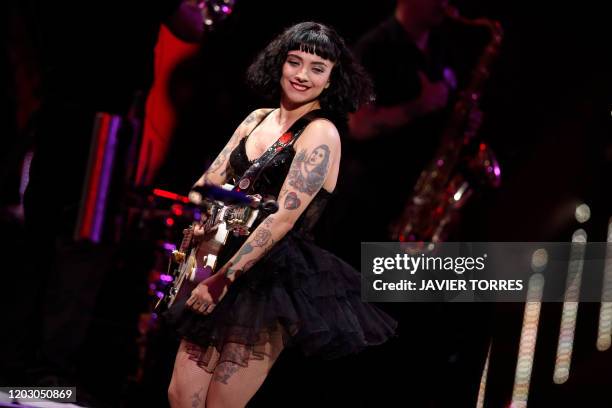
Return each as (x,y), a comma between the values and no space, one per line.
(570,308)
(583,213)
(539,260)
(604,330)
(168,246)
(483,381)
(529,336)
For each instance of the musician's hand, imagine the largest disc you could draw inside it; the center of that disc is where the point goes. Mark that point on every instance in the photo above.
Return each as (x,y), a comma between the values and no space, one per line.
(205,297)
(434,95)
(198,227)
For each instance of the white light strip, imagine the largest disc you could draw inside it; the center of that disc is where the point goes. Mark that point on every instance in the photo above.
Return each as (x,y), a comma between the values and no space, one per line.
(570,308)
(529,336)
(483,381)
(604,331)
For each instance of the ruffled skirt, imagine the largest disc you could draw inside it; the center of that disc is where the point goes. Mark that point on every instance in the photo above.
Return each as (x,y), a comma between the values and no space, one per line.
(299,294)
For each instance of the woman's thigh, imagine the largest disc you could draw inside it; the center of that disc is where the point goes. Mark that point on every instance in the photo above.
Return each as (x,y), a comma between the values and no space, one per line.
(234,385)
(190,383)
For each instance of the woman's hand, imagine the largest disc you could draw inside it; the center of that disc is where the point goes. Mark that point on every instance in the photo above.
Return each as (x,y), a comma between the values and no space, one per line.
(209,292)
(199,227)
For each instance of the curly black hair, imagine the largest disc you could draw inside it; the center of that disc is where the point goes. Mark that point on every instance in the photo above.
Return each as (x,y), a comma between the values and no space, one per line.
(350,85)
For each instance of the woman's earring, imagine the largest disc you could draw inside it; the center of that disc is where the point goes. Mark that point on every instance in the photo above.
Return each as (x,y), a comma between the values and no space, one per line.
(326,85)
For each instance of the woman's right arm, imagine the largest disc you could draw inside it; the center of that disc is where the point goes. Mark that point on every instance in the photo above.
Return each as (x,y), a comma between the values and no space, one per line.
(217,172)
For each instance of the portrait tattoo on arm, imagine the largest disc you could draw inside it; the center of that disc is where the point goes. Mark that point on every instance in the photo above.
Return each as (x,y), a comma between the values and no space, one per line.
(308,171)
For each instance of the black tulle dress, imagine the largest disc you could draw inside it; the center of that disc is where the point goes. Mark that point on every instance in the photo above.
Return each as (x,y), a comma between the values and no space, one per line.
(298,293)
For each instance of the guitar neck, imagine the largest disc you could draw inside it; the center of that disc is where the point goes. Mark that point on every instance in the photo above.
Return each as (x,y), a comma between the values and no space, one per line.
(187,237)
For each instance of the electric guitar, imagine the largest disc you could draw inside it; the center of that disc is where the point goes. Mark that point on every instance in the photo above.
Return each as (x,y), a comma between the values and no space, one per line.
(196,257)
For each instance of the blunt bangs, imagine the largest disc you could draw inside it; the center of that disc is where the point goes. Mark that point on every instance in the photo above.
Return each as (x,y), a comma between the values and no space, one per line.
(311,38)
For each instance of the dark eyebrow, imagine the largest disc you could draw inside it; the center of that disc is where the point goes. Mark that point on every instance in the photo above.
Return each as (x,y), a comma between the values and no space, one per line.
(301,59)
(320,63)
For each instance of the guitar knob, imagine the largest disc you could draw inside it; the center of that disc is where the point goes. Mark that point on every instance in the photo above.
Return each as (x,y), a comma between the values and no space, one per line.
(178,256)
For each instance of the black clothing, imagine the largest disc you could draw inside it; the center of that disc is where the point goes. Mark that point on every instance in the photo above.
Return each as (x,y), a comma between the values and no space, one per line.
(297,290)
(437,346)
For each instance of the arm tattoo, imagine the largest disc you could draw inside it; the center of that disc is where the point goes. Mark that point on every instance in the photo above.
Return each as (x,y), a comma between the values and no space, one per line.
(308,172)
(268,221)
(248,265)
(268,224)
(292,201)
(196,399)
(252,116)
(282,193)
(261,237)
(222,157)
(220,160)
(246,249)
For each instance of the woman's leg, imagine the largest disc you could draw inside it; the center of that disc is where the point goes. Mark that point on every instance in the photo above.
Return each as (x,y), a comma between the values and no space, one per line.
(189,384)
(234,385)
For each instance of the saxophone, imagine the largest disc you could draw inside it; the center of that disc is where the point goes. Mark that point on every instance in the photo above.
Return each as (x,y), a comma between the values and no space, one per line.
(459,164)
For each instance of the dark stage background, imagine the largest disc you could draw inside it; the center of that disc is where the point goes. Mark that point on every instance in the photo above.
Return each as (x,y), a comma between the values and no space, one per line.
(547,116)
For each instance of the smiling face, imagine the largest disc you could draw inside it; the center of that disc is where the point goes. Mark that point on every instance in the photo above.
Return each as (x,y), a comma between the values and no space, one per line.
(305,76)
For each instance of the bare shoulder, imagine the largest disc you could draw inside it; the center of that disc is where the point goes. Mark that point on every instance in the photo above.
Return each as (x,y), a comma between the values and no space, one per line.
(320,131)
(253,119)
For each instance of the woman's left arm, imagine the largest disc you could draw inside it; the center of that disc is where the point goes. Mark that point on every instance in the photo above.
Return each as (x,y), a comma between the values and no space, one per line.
(317,156)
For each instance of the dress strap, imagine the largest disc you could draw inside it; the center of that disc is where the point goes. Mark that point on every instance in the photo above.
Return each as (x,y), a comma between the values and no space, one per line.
(247,181)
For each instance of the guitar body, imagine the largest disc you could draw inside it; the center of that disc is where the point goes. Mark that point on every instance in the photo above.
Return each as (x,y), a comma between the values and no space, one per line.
(196,259)
(200,264)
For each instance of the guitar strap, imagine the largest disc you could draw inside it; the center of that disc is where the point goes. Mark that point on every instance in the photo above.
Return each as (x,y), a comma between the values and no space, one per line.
(250,176)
